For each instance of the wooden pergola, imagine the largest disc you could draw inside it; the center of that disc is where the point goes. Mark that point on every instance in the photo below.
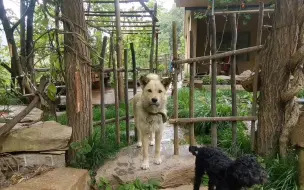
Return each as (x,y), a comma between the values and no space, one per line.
(115,26)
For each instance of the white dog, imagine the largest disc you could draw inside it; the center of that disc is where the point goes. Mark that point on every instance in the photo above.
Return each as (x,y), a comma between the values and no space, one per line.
(150,113)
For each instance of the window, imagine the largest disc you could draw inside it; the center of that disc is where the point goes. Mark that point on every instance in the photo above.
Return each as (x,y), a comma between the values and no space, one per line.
(243,41)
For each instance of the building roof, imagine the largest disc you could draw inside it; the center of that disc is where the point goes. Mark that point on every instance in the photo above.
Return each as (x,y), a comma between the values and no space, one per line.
(205,3)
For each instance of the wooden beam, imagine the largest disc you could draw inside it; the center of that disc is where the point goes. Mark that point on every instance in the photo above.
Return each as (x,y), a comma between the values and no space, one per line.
(256,76)
(113,15)
(191,91)
(119,49)
(153,40)
(147,9)
(113,12)
(233,79)
(175,90)
(242,11)
(112,21)
(211,119)
(127,26)
(102,90)
(213,78)
(219,55)
(104,2)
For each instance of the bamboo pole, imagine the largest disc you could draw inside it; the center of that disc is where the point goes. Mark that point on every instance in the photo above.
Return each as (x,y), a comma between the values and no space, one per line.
(233,80)
(256,76)
(127,96)
(117,126)
(147,9)
(118,49)
(175,94)
(152,39)
(134,76)
(128,26)
(213,79)
(210,119)
(191,93)
(113,15)
(219,55)
(111,52)
(102,89)
(156,53)
(127,1)
(113,12)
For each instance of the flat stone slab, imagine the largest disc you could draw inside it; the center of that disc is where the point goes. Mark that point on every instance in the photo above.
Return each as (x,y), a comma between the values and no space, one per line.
(186,187)
(174,170)
(34,115)
(57,179)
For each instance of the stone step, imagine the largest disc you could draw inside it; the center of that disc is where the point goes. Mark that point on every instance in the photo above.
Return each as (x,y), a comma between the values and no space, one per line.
(57,179)
(174,170)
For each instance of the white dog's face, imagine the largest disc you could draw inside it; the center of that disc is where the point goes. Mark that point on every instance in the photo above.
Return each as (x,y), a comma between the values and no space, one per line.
(154,92)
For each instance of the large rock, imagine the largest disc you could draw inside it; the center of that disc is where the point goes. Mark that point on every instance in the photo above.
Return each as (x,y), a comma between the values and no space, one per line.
(174,170)
(41,136)
(57,179)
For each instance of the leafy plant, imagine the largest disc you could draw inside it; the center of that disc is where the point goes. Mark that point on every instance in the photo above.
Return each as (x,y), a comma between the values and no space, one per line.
(92,152)
(136,185)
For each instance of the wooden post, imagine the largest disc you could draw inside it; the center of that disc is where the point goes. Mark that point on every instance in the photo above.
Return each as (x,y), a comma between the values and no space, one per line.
(111,51)
(102,89)
(256,76)
(126,96)
(175,93)
(117,126)
(213,79)
(191,93)
(118,49)
(152,39)
(134,76)
(233,80)
(156,53)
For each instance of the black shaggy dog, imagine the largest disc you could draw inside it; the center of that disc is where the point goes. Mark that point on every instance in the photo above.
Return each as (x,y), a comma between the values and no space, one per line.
(224,173)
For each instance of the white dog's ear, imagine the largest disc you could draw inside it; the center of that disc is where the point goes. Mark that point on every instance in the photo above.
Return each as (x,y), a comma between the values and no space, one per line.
(166,82)
(144,80)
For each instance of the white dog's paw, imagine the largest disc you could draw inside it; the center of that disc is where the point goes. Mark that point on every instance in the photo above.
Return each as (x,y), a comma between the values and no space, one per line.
(139,144)
(158,161)
(145,165)
(152,143)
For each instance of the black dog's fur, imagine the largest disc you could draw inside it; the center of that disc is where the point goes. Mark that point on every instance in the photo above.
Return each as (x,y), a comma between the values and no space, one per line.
(224,173)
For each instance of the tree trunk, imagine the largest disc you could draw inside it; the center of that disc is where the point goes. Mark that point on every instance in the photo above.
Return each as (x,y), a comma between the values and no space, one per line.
(29,41)
(78,72)
(281,59)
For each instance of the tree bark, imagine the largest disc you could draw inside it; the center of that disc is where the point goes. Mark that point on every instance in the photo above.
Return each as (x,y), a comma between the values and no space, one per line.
(29,40)
(278,112)
(16,67)
(78,72)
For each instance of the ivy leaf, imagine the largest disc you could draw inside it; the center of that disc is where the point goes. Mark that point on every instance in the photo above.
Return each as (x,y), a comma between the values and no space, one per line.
(51,92)
(75,145)
(86,149)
